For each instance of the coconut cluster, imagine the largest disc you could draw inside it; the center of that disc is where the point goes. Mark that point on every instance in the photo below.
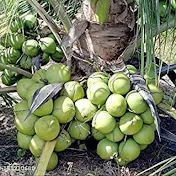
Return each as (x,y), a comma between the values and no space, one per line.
(123,124)
(107,109)
(25,41)
(44,124)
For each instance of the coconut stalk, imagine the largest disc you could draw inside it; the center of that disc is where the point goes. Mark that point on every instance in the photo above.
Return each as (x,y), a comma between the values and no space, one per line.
(4,90)
(16,69)
(44,158)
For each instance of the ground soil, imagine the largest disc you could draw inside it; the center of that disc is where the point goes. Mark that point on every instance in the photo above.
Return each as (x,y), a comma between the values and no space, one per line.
(75,162)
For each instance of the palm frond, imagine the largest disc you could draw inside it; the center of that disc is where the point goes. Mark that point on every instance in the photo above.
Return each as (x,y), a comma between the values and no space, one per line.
(61,13)
(161,166)
(10,9)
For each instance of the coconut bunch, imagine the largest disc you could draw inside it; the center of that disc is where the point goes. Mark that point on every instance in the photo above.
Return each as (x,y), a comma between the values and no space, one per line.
(44,124)
(27,41)
(105,109)
(123,124)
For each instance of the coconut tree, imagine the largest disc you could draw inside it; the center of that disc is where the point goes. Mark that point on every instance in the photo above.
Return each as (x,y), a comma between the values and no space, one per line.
(103,35)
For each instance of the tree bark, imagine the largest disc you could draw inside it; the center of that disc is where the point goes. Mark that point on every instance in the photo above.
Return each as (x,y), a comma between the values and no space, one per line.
(102,44)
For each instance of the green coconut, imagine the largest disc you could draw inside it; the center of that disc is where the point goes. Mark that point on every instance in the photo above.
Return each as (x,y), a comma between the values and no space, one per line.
(5,41)
(10,73)
(62,71)
(98,77)
(79,130)
(26,62)
(47,127)
(98,92)
(31,48)
(85,110)
(47,45)
(20,107)
(31,90)
(17,40)
(6,80)
(16,24)
(129,150)
(45,58)
(36,146)
(53,162)
(145,136)
(156,93)
(52,36)
(132,69)
(104,122)
(153,125)
(42,110)
(143,146)
(116,105)
(135,102)
(121,162)
(23,140)
(147,116)
(107,149)
(97,134)
(116,135)
(73,90)
(63,141)
(3,59)
(64,109)
(30,21)
(130,123)
(119,83)
(23,125)
(12,55)
(58,55)
(39,76)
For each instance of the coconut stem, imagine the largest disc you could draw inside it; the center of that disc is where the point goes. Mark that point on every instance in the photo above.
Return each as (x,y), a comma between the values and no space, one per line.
(44,158)
(7,89)
(16,69)
(83,60)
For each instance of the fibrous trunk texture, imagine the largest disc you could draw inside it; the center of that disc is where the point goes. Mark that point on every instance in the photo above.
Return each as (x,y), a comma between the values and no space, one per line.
(109,39)
(104,43)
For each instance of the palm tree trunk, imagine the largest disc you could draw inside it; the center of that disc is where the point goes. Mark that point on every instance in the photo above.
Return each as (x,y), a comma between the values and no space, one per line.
(103,43)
